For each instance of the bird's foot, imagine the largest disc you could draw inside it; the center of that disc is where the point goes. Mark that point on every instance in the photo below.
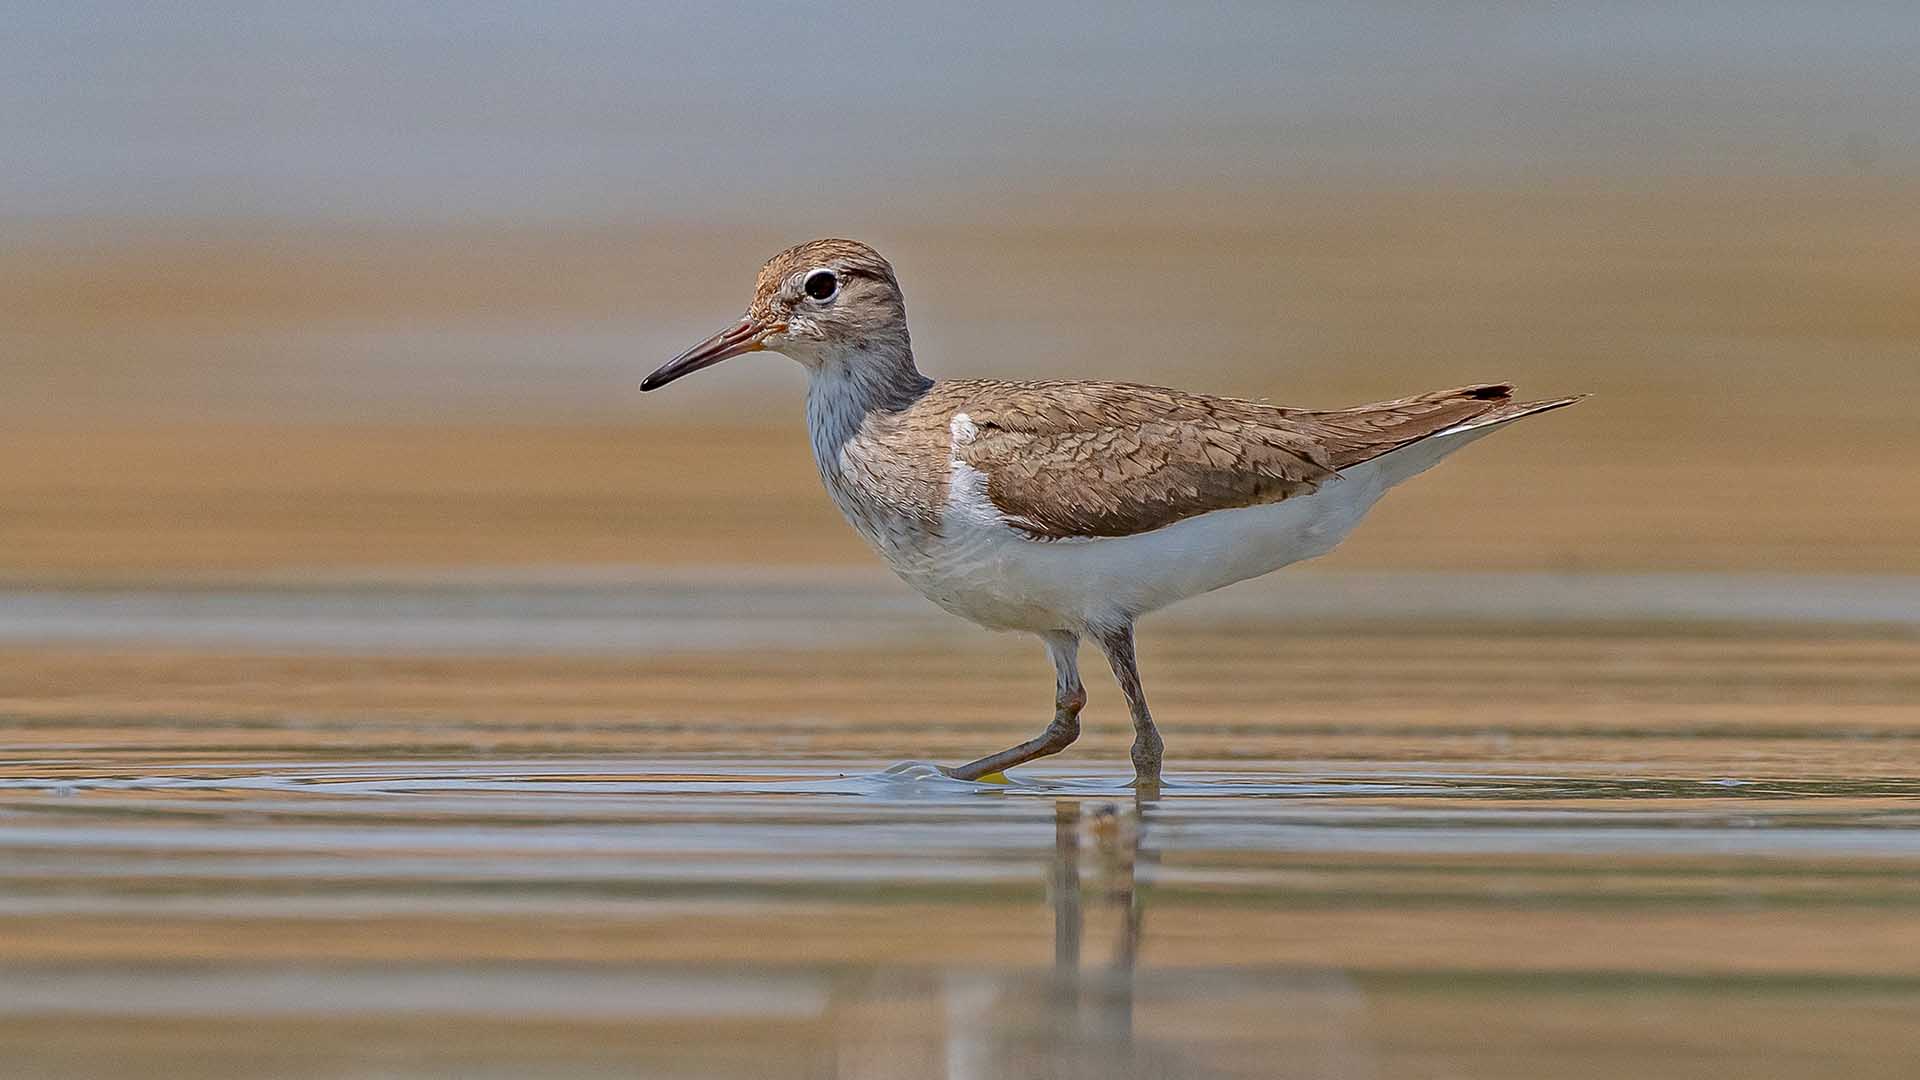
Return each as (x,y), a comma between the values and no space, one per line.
(964,772)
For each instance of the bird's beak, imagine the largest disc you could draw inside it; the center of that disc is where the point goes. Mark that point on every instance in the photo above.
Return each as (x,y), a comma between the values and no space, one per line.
(747,335)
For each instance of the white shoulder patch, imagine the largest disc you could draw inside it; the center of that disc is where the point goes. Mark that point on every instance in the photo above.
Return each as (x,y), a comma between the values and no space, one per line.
(961,429)
(967,500)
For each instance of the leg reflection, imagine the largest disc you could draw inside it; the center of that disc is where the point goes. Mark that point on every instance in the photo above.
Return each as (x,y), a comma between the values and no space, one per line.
(1064,890)
(1092,1006)
(985,1022)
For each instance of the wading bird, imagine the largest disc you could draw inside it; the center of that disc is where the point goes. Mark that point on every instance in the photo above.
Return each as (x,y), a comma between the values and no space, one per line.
(1069,509)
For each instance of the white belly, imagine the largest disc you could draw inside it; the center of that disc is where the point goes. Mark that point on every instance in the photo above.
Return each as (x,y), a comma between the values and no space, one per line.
(983,570)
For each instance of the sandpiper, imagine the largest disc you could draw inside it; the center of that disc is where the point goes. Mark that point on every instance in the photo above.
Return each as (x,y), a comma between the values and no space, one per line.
(1069,509)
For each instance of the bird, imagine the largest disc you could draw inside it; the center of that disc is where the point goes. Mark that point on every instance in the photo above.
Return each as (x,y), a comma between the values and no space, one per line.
(1069,509)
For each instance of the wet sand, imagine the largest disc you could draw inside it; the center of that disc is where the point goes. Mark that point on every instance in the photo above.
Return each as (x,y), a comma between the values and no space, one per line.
(1274,671)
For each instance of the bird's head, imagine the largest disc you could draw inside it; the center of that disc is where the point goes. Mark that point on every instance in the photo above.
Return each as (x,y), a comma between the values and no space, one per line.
(825,303)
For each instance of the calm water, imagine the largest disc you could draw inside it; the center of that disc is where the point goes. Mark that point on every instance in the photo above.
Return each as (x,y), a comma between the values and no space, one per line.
(1426,848)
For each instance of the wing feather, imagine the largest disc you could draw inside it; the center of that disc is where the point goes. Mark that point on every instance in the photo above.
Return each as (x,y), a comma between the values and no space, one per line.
(1069,460)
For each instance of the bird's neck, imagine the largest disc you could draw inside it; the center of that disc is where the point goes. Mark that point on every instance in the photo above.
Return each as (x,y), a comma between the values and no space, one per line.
(844,391)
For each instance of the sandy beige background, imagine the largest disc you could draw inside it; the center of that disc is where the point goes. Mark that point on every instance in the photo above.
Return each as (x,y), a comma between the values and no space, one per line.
(232,399)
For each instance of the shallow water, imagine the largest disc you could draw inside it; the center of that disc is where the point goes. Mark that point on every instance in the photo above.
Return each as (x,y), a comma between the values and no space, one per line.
(433,917)
(1445,845)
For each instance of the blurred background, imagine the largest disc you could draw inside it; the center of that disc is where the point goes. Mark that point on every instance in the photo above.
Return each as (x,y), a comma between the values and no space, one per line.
(388,688)
(297,287)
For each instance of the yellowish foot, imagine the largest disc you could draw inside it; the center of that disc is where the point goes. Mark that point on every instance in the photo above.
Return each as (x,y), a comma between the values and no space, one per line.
(994,778)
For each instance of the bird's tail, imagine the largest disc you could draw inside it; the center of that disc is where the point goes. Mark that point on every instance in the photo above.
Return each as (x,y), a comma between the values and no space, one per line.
(1422,454)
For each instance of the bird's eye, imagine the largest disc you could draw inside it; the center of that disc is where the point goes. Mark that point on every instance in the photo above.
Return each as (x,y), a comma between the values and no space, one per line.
(821,285)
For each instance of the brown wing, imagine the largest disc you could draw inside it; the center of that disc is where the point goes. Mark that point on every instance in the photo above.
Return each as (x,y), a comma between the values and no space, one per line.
(1088,459)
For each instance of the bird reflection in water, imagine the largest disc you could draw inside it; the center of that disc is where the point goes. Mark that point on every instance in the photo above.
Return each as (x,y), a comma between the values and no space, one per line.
(1075,1020)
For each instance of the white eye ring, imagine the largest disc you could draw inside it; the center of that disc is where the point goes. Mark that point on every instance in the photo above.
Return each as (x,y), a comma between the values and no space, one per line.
(817,280)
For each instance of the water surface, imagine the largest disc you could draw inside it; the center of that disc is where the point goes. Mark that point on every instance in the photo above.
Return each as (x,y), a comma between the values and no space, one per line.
(1465,843)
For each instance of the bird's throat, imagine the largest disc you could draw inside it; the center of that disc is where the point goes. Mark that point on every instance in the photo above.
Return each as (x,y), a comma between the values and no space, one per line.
(845,391)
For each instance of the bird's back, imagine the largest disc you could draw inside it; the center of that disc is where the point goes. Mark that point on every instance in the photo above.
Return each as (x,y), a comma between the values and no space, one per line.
(1065,460)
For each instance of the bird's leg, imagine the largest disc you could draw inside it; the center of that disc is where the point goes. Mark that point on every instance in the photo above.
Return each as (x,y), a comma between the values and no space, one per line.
(1068,699)
(1147,745)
